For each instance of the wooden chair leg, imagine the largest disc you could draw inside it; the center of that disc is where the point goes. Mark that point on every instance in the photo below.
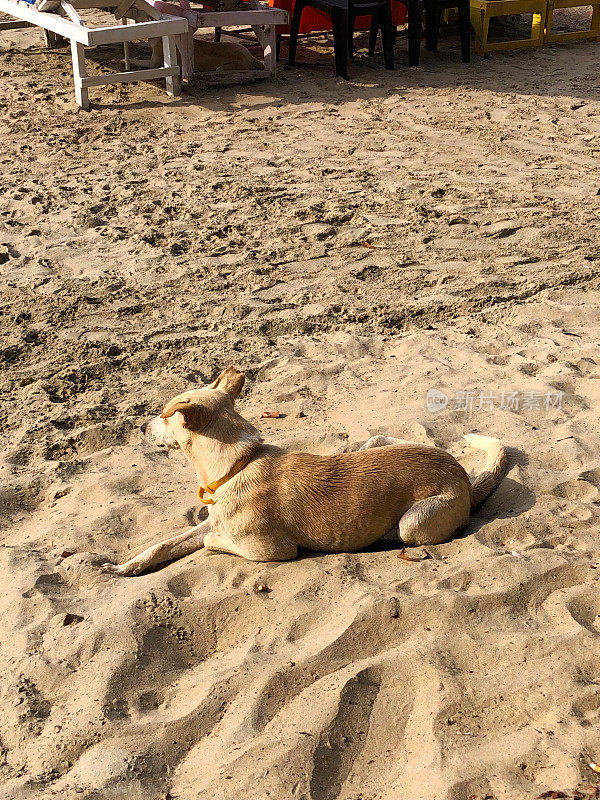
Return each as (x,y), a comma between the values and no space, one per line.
(537,29)
(79,72)
(189,36)
(339,19)
(464,21)
(170,60)
(481,23)
(484,33)
(126,49)
(184,43)
(270,50)
(218,32)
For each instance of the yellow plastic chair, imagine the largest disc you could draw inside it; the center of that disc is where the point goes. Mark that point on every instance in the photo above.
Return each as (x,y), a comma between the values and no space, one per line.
(483,10)
(592,33)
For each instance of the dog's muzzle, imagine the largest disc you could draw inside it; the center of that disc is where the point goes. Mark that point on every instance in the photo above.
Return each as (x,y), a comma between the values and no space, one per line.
(156,431)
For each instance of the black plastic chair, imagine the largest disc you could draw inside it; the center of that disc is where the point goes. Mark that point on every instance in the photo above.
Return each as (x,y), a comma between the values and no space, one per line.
(343,14)
(433,18)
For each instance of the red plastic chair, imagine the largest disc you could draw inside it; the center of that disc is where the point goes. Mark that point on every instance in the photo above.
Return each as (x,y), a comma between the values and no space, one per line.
(314,21)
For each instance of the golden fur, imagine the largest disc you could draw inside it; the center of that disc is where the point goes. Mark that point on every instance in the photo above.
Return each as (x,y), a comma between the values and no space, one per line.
(281,501)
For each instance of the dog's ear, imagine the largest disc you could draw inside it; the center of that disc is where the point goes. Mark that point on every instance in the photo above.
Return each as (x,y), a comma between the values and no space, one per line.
(195,416)
(231,381)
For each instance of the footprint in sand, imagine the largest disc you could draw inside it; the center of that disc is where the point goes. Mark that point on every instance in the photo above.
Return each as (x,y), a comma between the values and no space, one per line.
(580,489)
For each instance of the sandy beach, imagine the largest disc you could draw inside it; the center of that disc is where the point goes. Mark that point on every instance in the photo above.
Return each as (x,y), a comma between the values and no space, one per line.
(352,246)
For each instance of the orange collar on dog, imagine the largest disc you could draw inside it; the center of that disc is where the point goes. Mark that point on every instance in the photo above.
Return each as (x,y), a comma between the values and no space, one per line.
(211,488)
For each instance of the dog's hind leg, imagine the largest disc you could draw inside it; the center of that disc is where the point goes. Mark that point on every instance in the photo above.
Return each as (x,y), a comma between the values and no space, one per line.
(434,519)
(253,548)
(169,550)
(384,441)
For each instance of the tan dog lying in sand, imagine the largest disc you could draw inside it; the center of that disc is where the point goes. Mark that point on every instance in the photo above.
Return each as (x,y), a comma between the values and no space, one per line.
(265,503)
(209,57)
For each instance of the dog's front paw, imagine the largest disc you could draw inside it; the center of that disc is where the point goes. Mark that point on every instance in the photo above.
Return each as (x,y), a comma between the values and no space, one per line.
(124,570)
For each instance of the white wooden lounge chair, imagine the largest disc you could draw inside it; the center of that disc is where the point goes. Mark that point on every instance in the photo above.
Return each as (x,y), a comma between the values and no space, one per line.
(145,19)
(66,22)
(253,15)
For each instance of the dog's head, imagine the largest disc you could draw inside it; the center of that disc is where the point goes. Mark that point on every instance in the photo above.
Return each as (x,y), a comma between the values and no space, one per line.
(194,412)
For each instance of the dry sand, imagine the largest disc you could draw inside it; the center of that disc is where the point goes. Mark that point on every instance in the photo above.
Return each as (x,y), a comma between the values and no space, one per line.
(148,244)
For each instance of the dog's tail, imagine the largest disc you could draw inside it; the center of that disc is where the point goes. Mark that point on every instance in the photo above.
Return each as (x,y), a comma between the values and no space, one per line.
(495,467)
